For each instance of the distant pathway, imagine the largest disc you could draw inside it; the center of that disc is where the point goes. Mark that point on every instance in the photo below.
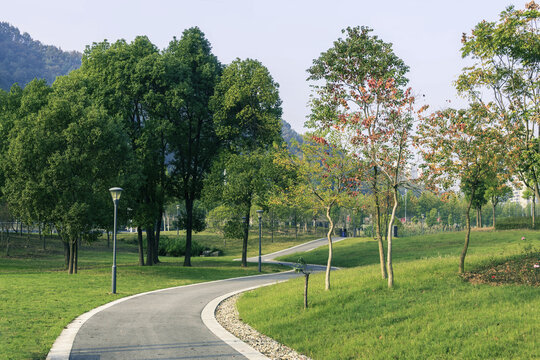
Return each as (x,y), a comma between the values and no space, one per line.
(164,324)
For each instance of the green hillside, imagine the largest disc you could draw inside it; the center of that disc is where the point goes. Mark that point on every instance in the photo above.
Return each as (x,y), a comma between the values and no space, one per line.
(22,59)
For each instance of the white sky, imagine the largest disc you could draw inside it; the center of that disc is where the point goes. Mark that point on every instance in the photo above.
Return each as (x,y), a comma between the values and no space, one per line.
(284,35)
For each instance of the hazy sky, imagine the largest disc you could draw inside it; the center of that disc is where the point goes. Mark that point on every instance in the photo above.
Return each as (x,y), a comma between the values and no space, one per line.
(284,35)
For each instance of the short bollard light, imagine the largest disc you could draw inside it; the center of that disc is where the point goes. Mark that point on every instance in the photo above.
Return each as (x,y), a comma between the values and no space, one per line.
(115,193)
(302,267)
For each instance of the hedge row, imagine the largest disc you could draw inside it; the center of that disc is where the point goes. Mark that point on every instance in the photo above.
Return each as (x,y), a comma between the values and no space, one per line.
(173,246)
(511,223)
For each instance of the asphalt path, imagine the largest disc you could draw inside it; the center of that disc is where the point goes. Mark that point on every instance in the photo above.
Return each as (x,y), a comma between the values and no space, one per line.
(165,324)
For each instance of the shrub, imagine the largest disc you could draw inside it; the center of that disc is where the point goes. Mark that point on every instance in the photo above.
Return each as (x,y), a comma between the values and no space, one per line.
(516,223)
(173,246)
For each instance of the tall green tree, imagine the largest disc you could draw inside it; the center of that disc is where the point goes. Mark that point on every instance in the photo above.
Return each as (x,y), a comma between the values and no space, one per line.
(191,72)
(247,118)
(241,181)
(64,154)
(123,78)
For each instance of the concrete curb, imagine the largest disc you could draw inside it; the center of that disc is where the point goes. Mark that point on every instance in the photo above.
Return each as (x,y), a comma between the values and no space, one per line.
(209,319)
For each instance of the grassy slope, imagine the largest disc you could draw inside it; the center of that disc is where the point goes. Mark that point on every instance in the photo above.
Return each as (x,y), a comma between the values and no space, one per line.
(38,298)
(431,313)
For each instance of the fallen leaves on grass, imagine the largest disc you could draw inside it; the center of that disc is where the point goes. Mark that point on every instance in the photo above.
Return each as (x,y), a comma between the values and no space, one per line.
(524,270)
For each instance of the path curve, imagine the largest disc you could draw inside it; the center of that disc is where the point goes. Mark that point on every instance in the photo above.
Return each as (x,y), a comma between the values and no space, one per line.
(162,324)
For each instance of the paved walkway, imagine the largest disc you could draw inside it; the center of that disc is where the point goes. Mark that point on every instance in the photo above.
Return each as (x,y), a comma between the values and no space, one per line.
(165,324)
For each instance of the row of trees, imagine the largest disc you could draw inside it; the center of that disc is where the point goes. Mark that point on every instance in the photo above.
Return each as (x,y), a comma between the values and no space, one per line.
(153,122)
(362,110)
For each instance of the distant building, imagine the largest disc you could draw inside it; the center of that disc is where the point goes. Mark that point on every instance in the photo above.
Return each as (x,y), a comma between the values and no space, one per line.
(517,196)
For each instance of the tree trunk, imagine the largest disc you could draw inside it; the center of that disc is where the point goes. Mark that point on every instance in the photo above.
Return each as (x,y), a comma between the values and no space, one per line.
(140,245)
(272,225)
(189,230)
(378,226)
(533,210)
(494,204)
(108,239)
(66,253)
(480,216)
(41,237)
(330,250)
(71,246)
(7,244)
(156,239)
(306,290)
(390,225)
(76,262)
(467,237)
(246,236)
(150,245)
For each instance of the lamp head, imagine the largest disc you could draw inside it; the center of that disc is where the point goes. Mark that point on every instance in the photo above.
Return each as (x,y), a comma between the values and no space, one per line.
(260,212)
(115,193)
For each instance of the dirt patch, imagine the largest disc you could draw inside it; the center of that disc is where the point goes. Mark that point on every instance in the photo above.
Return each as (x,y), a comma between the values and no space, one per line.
(523,270)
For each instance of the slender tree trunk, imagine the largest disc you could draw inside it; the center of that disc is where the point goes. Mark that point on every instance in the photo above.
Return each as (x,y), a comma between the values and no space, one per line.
(306,290)
(330,250)
(536,194)
(76,262)
(7,244)
(390,234)
(108,239)
(493,213)
(272,225)
(246,236)
(480,216)
(189,230)
(467,237)
(378,225)
(42,237)
(71,255)
(66,253)
(156,239)
(150,245)
(140,245)
(533,210)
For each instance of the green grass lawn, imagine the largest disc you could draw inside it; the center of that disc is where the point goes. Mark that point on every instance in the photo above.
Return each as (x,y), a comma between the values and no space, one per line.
(432,313)
(38,298)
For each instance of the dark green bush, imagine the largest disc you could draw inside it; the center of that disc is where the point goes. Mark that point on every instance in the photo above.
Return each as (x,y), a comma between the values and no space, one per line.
(516,223)
(173,246)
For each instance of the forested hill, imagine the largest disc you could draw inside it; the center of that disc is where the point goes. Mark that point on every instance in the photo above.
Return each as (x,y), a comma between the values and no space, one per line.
(289,135)
(22,59)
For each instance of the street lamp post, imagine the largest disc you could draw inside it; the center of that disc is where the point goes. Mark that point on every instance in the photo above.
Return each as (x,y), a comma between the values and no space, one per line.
(115,193)
(177,219)
(354,224)
(260,212)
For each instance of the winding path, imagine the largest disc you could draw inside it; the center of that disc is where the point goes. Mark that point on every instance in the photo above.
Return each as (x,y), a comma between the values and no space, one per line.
(163,324)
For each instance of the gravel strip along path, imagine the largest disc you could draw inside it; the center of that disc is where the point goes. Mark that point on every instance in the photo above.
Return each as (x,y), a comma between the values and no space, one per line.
(227,315)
